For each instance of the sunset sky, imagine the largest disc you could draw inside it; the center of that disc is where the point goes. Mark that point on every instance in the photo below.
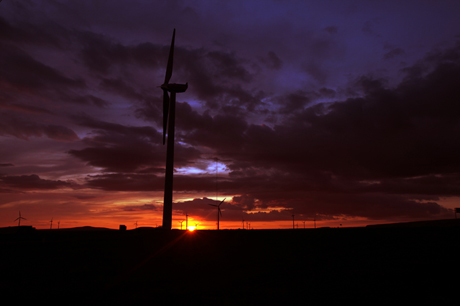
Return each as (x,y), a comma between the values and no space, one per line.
(344,110)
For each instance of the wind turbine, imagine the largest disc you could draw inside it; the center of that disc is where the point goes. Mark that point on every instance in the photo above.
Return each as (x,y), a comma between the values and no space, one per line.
(169,115)
(219,212)
(19,219)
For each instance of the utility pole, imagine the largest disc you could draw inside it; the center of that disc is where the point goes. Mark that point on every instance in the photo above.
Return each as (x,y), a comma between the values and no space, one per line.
(186,221)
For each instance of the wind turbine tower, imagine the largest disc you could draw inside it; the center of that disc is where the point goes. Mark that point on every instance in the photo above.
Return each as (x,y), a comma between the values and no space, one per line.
(169,115)
(219,212)
(19,219)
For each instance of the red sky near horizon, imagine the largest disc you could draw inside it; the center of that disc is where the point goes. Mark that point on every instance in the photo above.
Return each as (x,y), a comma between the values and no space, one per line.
(344,112)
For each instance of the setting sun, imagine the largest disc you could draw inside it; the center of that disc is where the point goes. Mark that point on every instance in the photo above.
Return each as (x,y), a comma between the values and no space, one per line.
(191,228)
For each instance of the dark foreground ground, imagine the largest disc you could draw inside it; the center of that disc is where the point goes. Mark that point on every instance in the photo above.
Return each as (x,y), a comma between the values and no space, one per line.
(371,266)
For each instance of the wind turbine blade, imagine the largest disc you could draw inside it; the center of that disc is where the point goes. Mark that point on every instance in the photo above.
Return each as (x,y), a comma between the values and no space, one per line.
(222,201)
(213,205)
(169,68)
(165,113)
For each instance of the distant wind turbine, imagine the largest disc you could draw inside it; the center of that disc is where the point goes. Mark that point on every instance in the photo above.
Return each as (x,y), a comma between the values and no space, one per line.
(51,223)
(219,212)
(169,115)
(19,219)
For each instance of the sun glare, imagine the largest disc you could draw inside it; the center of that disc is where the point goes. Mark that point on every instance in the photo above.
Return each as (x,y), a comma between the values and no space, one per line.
(191,228)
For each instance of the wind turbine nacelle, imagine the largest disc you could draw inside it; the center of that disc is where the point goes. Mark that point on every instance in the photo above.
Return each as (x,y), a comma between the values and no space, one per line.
(175,87)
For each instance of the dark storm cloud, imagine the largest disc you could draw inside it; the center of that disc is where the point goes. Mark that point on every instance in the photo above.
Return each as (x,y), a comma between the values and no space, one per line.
(224,132)
(102,54)
(24,108)
(393,53)
(272,61)
(215,77)
(331,29)
(24,129)
(121,148)
(201,208)
(149,182)
(294,101)
(28,33)
(369,156)
(21,70)
(406,131)
(372,206)
(81,100)
(140,207)
(327,92)
(120,87)
(125,182)
(115,147)
(32,181)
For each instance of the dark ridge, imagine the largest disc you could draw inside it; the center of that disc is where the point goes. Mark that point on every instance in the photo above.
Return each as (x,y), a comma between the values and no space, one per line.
(241,267)
(86,228)
(429,223)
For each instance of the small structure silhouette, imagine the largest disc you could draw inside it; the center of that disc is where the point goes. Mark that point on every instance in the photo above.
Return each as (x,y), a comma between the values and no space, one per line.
(219,212)
(19,219)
